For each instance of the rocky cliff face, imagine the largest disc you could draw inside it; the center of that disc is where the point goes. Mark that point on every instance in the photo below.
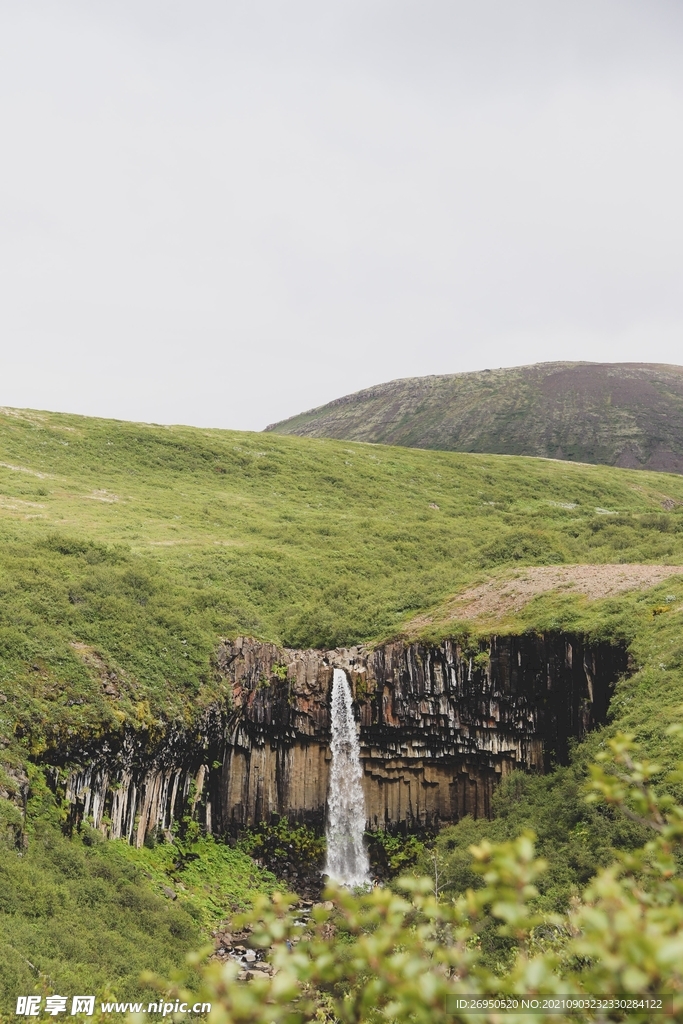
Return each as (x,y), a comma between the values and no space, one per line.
(439,726)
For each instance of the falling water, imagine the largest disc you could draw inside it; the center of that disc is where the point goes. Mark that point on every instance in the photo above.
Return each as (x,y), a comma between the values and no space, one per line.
(347,860)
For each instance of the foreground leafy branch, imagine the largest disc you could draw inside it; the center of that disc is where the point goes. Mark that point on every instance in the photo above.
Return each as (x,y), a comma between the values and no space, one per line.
(408,957)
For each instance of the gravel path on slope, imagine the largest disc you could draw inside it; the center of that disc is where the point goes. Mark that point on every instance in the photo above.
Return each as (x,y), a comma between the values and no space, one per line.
(499,596)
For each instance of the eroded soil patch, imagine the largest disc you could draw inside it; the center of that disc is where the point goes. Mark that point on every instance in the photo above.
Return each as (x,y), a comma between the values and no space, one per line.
(505,594)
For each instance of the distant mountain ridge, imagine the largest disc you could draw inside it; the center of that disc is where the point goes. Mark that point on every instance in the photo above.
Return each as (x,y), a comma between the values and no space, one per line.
(616,414)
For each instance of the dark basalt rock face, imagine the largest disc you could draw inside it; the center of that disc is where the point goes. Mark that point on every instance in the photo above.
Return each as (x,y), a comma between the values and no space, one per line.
(439,726)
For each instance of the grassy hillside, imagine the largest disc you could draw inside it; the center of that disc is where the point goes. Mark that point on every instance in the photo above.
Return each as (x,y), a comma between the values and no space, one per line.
(617,414)
(131,549)
(128,550)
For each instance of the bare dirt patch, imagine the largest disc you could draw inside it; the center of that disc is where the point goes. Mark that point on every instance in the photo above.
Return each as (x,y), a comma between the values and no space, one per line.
(498,597)
(25,469)
(107,496)
(108,677)
(18,503)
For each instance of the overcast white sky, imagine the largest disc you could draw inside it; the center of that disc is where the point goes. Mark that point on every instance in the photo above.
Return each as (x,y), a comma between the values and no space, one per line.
(223,213)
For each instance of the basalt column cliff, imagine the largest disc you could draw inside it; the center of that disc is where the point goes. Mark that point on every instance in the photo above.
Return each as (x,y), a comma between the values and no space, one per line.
(439,726)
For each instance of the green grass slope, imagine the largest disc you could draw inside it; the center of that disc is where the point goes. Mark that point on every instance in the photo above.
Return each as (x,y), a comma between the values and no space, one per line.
(617,414)
(127,551)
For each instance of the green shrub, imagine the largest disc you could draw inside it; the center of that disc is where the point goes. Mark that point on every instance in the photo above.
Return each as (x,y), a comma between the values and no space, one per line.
(392,854)
(283,845)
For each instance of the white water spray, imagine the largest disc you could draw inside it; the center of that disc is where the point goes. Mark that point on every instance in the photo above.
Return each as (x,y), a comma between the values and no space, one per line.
(347,859)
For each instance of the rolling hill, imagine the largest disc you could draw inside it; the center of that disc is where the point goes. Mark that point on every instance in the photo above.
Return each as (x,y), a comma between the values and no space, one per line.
(615,414)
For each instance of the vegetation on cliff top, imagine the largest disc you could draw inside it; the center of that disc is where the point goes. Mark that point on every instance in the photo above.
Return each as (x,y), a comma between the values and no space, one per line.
(619,414)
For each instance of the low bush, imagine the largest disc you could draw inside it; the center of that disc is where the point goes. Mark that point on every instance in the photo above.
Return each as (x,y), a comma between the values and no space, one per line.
(285,847)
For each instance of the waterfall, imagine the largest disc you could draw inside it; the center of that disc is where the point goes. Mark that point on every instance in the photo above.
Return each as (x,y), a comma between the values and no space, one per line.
(347,859)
